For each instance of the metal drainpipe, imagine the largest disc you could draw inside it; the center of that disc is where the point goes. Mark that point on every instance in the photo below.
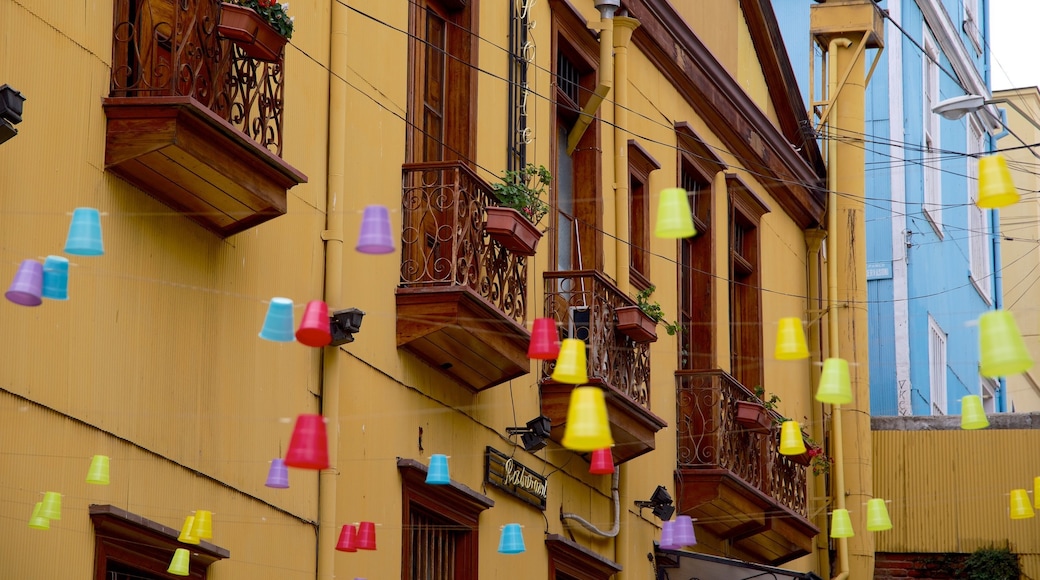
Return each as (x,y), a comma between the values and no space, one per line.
(328,376)
(832,293)
(624,27)
(607,8)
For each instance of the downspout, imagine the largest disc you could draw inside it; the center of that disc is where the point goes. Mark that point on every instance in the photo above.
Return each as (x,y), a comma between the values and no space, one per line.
(832,292)
(613,531)
(333,235)
(607,8)
(624,27)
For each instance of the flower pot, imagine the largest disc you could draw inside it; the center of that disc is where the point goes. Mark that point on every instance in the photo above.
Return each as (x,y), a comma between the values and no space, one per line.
(636,324)
(250,32)
(753,417)
(511,229)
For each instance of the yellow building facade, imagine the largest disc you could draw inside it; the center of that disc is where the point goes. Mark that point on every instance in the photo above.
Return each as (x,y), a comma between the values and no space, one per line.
(224,181)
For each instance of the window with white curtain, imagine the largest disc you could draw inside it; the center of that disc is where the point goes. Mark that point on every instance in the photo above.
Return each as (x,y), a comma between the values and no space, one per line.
(937,366)
(931,158)
(978,225)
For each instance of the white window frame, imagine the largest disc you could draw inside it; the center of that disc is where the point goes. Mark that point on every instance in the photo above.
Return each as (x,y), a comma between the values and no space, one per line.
(971,25)
(937,366)
(978,224)
(931,158)
(989,394)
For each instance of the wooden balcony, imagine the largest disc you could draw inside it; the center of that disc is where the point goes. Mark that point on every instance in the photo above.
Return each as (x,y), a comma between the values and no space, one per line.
(192,120)
(583,303)
(750,501)
(461,305)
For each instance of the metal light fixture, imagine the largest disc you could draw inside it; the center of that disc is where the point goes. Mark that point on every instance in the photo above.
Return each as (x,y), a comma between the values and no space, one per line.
(535,435)
(957,107)
(10,111)
(660,502)
(343,324)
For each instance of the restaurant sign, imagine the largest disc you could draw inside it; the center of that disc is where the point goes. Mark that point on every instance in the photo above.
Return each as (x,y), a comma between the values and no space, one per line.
(514,478)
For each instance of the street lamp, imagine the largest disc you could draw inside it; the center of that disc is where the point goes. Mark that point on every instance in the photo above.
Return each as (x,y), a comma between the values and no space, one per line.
(957,107)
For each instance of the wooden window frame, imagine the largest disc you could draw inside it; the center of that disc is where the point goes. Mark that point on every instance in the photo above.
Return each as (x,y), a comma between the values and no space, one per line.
(697,267)
(131,540)
(567,558)
(746,350)
(460,80)
(454,502)
(640,165)
(572,36)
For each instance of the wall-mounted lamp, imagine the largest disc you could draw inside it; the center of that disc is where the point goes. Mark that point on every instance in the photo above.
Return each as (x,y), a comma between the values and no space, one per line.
(660,502)
(535,435)
(343,324)
(10,111)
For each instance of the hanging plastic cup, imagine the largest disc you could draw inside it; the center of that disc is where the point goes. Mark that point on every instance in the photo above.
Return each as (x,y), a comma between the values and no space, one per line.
(545,340)
(1020,508)
(375,231)
(791,441)
(668,536)
(27,287)
(366,536)
(996,188)
(37,521)
(309,446)
(587,426)
(835,387)
(1002,351)
(202,527)
(55,278)
(187,535)
(602,462)
(278,324)
(512,540)
(314,327)
(278,474)
(347,539)
(973,416)
(790,340)
(98,472)
(51,508)
(841,524)
(438,472)
(181,562)
(84,237)
(570,363)
(877,516)
(674,218)
(683,531)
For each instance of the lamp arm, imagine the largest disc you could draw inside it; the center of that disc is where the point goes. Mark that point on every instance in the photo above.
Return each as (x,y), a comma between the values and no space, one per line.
(1004,124)
(1017,109)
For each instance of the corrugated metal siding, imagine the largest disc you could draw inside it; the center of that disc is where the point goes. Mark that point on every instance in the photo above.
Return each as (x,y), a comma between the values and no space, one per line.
(948,490)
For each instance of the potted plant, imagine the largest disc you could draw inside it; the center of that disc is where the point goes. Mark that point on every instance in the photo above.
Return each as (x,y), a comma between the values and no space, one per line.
(520,206)
(638,322)
(259,27)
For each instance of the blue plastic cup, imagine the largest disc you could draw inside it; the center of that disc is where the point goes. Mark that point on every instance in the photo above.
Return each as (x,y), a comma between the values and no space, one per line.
(56,278)
(85,233)
(438,473)
(512,541)
(278,325)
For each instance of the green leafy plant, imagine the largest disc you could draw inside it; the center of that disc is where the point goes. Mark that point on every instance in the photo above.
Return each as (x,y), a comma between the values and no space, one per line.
(992,563)
(523,189)
(274,13)
(654,310)
(818,459)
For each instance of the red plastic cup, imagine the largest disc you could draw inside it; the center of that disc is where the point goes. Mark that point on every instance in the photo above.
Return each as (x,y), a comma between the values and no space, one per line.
(602,462)
(366,536)
(314,328)
(347,539)
(545,341)
(309,446)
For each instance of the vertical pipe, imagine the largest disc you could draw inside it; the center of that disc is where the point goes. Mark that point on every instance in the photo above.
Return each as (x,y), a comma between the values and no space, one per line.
(613,245)
(622,35)
(333,234)
(837,440)
(814,304)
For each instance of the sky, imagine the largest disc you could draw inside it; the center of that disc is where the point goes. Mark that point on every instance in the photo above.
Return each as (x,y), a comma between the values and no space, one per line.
(1014,25)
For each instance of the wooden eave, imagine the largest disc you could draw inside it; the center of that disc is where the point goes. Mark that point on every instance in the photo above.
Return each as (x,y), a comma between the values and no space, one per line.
(783,87)
(186,156)
(671,45)
(735,514)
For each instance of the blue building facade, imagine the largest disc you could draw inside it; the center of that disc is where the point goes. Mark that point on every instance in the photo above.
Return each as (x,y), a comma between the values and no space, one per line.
(930,250)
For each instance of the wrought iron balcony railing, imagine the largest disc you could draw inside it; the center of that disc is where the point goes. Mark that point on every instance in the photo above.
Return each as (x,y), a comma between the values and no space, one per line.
(444,242)
(170,48)
(709,437)
(583,303)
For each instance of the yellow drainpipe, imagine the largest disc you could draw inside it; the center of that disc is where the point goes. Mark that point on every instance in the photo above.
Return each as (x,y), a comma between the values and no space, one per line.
(624,27)
(606,85)
(333,236)
(832,291)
